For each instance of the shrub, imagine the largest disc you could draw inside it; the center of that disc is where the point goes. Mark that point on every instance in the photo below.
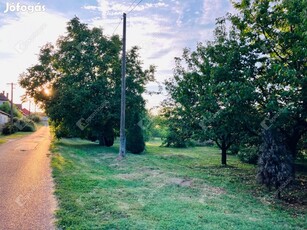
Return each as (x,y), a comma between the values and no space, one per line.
(234,149)
(25,125)
(248,155)
(9,129)
(35,118)
(135,139)
(176,138)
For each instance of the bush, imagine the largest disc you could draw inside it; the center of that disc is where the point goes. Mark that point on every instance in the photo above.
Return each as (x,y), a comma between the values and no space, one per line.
(25,125)
(248,155)
(234,149)
(9,129)
(35,118)
(135,139)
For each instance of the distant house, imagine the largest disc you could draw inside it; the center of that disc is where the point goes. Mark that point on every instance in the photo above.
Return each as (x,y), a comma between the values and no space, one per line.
(25,112)
(4,118)
(4,98)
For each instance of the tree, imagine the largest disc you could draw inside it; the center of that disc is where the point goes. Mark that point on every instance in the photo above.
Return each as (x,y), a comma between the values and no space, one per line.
(211,86)
(178,132)
(276,31)
(83,73)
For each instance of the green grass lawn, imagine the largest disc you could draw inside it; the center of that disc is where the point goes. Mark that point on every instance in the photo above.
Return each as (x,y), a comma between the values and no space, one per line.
(166,188)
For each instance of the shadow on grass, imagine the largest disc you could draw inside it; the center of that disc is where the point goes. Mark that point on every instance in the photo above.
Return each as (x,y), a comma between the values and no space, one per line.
(90,148)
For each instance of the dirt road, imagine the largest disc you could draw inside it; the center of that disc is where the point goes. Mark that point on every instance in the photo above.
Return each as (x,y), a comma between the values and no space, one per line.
(26,187)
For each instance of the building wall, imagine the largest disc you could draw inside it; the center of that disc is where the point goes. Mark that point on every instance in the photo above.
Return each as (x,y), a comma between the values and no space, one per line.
(3,119)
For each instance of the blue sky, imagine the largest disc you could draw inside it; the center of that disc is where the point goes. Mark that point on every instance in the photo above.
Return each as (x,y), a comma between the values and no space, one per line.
(162,28)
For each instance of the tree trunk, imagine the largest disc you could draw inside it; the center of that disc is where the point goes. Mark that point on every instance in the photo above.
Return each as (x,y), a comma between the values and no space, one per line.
(292,143)
(224,155)
(224,148)
(102,141)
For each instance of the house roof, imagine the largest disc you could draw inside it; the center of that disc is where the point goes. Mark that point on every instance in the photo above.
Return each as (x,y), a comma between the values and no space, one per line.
(4,113)
(25,112)
(3,97)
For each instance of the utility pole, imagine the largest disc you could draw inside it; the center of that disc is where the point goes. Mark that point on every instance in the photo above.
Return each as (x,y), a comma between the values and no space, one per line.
(29,106)
(122,149)
(12,97)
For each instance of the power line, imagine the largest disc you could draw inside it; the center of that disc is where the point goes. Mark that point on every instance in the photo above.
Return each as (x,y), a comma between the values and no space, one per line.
(135,6)
(128,13)
(130,5)
(117,26)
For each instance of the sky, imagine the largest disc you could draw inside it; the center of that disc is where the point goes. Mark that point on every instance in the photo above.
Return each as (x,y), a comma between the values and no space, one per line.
(161,28)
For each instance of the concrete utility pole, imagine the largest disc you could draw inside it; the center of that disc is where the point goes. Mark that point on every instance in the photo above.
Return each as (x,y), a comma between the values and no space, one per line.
(122,149)
(12,97)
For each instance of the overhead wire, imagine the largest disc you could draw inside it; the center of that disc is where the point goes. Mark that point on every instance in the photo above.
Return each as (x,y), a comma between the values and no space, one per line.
(135,6)
(117,25)
(129,9)
(130,6)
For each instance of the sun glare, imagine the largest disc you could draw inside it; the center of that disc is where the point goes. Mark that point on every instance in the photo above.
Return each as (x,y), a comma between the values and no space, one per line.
(47,92)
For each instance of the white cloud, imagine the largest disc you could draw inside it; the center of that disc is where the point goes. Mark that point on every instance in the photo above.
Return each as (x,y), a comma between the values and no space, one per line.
(20,42)
(104,7)
(161,28)
(213,9)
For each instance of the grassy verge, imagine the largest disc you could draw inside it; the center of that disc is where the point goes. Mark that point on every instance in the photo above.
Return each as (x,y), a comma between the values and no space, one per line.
(17,135)
(5,138)
(166,188)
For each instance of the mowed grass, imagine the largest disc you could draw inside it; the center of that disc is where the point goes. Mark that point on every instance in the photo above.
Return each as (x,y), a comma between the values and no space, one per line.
(166,188)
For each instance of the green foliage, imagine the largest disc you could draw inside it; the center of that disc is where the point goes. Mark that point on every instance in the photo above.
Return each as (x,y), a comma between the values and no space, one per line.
(158,127)
(302,154)
(83,73)
(60,131)
(35,118)
(255,71)
(248,155)
(104,133)
(135,140)
(19,125)
(276,32)
(8,129)
(154,126)
(178,133)
(24,125)
(6,107)
(212,91)
(234,149)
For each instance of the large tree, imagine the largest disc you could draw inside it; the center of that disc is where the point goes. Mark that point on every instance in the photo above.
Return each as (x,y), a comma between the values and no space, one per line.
(212,86)
(276,31)
(82,72)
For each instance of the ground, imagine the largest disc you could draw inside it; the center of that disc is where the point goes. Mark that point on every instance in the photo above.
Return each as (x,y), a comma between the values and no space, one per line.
(165,188)
(26,186)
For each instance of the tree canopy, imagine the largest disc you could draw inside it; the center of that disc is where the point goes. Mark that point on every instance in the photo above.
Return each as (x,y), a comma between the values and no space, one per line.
(251,77)
(82,72)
